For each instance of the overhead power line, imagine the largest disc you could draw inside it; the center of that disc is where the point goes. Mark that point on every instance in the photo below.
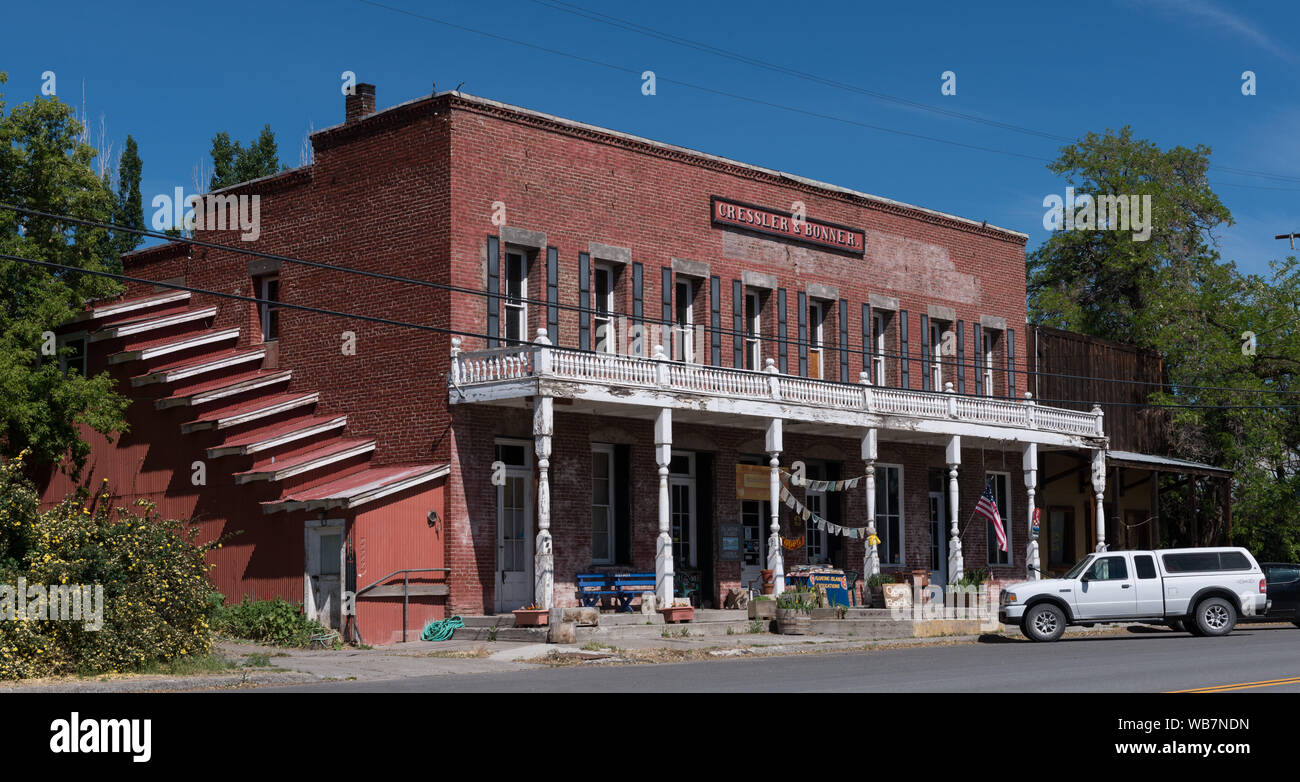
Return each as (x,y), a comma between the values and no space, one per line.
(1017,365)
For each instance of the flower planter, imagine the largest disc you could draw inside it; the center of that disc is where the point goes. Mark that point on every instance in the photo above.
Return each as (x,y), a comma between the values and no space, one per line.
(675,614)
(876,597)
(790,621)
(762,609)
(531,617)
(768,581)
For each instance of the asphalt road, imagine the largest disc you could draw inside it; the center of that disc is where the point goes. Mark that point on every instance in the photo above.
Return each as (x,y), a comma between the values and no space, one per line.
(1251,659)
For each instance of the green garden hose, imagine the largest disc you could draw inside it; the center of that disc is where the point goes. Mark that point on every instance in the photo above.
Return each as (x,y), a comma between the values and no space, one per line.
(441,629)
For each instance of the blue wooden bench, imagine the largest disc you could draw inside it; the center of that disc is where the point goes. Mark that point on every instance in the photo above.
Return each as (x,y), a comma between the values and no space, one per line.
(593,588)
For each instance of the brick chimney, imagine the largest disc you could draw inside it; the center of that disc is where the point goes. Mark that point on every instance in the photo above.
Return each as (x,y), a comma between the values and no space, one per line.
(360,104)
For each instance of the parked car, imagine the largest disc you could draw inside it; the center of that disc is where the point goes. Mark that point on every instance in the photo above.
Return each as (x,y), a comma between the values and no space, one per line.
(1205,589)
(1283,592)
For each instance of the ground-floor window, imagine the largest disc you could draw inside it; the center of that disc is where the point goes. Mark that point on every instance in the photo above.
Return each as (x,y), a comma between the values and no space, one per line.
(889,513)
(681,509)
(1000,482)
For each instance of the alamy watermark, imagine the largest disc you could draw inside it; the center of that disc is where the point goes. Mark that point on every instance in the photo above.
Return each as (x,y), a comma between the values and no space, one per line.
(937,603)
(1084,212)
(212,212)
(55,602)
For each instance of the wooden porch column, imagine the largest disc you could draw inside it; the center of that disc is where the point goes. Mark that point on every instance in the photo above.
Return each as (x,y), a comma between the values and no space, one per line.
(543,558)
(1029,463)
(664,544)
(871,554)
(1099,489)
(775,554)
(955,560)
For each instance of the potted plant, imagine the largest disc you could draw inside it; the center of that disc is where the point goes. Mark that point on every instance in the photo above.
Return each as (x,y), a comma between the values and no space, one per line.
(531,615)
(684,612)
(768,581)
(763,607)
(794,611)
(875,594)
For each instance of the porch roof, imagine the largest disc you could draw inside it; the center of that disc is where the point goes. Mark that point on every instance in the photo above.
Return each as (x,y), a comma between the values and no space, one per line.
(1153,462)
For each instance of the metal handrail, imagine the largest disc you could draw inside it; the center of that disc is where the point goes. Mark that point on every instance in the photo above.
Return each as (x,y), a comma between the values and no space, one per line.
(406,589)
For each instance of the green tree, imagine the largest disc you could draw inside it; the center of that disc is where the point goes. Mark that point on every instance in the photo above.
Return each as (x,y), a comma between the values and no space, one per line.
(1174,294)
(233,163)
(129,209)
(43,166)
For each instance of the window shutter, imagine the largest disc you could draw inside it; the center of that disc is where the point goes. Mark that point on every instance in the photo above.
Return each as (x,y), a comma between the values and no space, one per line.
(666,336)
(961,357)
(925,354)
(978,342)
(1011,363)
(584,301)
(553,295)
(738,322)
(868,344)
(843,315)
(782,336)
(622,548)
(493,289)
(904,361)
(715,321)
(803,333)
(638,311)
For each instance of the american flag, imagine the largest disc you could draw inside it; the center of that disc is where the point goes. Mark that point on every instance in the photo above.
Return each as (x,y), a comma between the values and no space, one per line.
(988,508)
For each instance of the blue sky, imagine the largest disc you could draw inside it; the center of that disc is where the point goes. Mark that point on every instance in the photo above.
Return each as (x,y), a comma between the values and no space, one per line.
(172,76)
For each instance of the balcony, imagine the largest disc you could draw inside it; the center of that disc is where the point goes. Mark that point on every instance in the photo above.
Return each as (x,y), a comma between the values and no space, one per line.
(516,373)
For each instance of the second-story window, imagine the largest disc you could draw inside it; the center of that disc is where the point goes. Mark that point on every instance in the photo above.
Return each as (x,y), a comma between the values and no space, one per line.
(684,320)
(816,323)
(603,318)
(516,295)
(937,329)
(878,348)
(268,291)
(753,337)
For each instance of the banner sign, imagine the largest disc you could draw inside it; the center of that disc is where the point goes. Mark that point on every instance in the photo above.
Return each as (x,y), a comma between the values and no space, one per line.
(753,482)
(786,225)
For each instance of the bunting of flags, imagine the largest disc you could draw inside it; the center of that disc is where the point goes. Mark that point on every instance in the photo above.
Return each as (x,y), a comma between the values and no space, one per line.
(844,485)
(808,516)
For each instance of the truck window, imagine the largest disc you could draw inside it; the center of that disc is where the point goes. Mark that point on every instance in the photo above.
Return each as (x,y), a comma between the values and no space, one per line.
(1283,574)
(1191,563)
(1108,569)
(1233,560)
(1078,567)
(1146,565)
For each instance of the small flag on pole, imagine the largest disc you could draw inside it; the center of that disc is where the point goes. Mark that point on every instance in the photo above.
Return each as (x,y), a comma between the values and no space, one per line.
(988,508)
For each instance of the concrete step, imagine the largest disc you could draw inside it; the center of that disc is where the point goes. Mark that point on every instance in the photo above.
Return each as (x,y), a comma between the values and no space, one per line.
(612,633)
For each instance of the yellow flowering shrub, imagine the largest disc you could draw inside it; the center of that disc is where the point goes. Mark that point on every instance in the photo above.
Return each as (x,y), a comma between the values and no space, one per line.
(153,573)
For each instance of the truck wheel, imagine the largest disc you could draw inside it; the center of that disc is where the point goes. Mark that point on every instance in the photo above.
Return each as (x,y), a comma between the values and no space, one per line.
(1177,626)
(1215,616)
(1043,622)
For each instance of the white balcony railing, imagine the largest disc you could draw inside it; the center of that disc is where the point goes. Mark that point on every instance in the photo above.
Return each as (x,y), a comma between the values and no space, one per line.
(541,360)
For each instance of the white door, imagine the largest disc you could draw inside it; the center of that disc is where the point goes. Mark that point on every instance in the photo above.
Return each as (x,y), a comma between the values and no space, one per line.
(1106,589)
(938,538)
(514,573)
(324,542)
(681,510)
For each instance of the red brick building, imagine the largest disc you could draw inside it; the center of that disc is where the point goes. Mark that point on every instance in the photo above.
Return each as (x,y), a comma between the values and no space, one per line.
(543,432)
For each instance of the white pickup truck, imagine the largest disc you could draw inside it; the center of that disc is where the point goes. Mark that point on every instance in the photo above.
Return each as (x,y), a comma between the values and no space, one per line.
(1201,590)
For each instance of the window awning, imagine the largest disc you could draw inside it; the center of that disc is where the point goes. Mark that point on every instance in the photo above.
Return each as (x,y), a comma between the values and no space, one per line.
(1164,464)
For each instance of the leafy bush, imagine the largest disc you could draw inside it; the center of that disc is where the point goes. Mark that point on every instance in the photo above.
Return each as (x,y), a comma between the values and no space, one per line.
(277,622)
(153,574)
(883,578)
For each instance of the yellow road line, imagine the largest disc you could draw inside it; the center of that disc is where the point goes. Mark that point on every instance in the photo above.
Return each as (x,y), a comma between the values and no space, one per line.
(1243,685)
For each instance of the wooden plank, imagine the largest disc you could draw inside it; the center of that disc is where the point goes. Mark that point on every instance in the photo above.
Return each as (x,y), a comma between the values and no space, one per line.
(415,590)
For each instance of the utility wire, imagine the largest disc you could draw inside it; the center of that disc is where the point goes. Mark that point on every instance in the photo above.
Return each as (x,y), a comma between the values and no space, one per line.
(625,24)
(456,332)
(1017,365)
